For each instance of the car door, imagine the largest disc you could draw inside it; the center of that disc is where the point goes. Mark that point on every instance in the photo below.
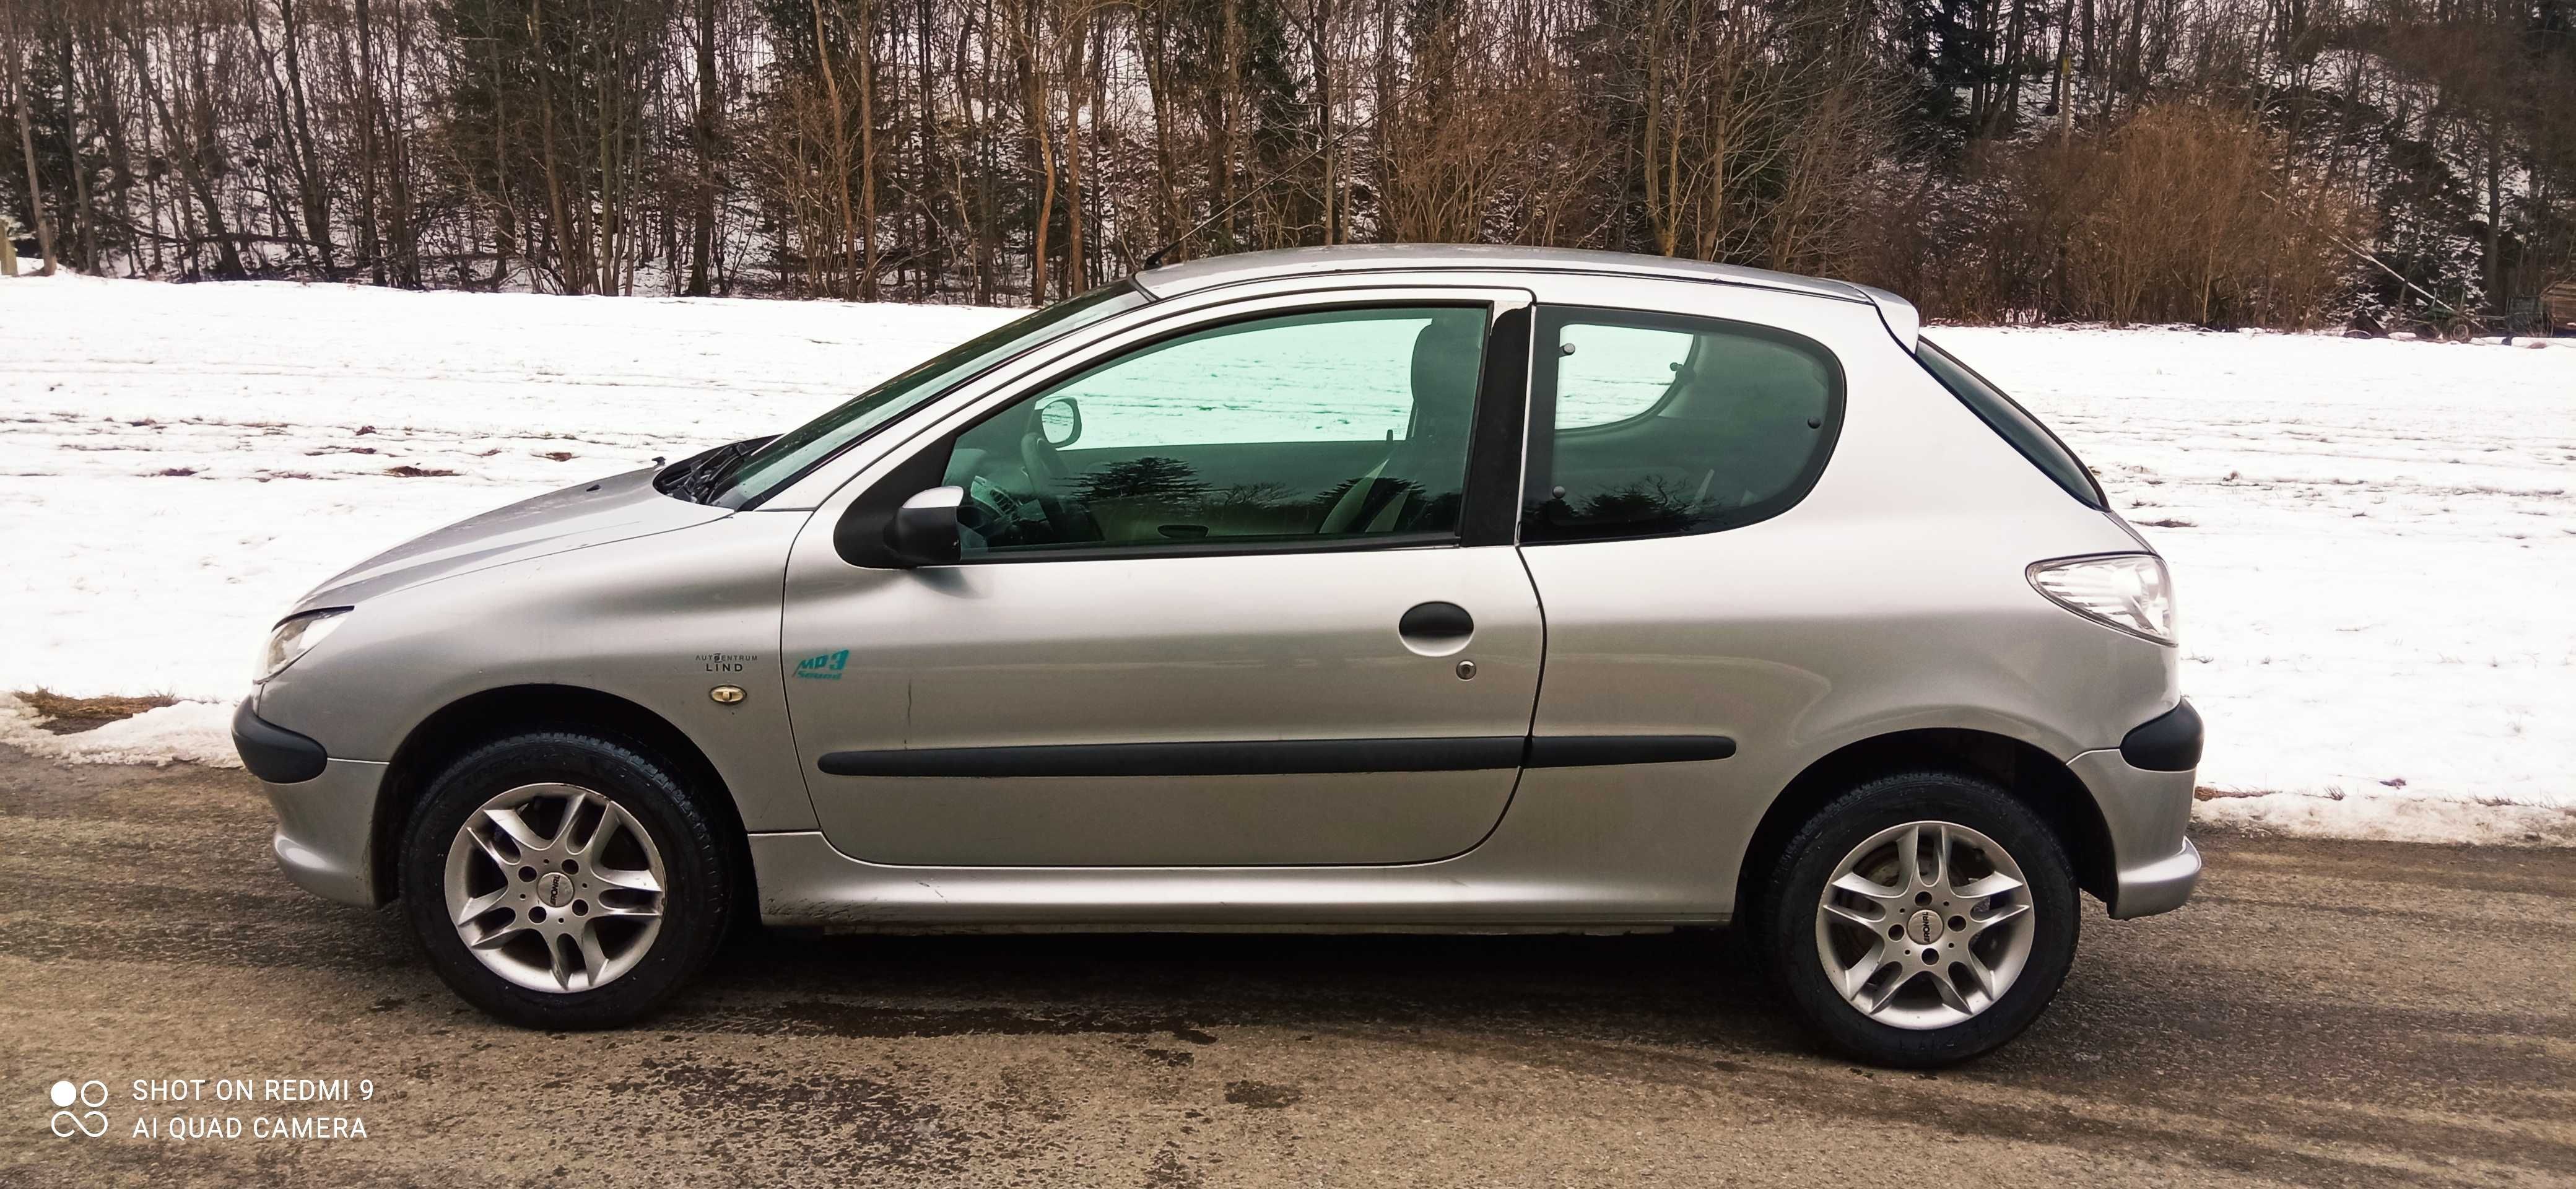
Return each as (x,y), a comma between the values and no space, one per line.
(1236,587)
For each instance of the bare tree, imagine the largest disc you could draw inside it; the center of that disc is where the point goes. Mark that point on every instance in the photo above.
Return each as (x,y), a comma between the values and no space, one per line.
(27,149)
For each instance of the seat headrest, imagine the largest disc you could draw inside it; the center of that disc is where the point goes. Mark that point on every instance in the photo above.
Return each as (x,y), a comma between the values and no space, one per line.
(1445,356)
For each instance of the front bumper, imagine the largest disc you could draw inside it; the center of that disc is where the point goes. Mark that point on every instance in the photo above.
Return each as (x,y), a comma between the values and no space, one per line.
(2148,814)
(326,809)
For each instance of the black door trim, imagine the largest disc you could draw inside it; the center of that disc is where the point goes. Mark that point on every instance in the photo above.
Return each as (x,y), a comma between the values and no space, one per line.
(1253,758)
(1594,751)
(1275,757)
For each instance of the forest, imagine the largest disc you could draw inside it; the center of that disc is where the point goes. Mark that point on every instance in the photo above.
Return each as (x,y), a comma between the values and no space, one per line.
(2282,163)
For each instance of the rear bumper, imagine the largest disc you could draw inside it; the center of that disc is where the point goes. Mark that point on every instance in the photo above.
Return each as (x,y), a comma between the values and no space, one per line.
(2148,814)
(2160,886)
(326,809)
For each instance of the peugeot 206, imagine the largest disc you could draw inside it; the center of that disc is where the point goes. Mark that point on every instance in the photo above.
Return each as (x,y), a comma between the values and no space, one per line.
(1386,588)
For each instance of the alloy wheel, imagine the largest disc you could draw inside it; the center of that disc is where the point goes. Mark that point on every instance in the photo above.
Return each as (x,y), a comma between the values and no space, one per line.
(555,887)
(1924,925)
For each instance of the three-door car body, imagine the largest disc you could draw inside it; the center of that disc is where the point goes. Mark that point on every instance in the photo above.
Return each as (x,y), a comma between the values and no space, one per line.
(1414,587)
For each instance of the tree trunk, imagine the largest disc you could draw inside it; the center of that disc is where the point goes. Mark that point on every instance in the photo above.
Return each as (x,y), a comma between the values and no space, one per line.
(317,195)
(1074,38)
(931,247)
(570,268)
(370,122)
(2065,94)
(1158,83)
(867,40)
(1382,111)
(35,184)
(840,155)
(1033,101)
(80,229)
(702,230)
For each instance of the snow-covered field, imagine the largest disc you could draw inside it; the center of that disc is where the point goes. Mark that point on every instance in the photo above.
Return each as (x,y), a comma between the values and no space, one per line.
(2374,542)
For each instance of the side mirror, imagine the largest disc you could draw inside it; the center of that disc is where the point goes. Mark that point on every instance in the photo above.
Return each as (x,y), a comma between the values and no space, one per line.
(923,531)
(1060,421)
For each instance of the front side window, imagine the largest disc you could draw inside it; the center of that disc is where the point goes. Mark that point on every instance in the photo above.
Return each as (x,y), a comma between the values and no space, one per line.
(784,459)
(1347,425)
(1649,424)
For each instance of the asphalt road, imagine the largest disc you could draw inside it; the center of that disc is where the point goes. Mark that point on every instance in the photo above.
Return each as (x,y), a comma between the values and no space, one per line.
(2345,1014)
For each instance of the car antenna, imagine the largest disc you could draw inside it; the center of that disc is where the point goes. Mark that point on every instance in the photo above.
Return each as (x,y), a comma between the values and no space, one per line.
(1154,259)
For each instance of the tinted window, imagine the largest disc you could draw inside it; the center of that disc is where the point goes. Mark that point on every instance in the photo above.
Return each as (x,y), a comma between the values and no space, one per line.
(2006,417)
(1607,373)
(1647,424)
(1329,426)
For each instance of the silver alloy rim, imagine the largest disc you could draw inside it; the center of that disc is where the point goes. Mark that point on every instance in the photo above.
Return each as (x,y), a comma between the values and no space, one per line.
(1924,925)
(555,887)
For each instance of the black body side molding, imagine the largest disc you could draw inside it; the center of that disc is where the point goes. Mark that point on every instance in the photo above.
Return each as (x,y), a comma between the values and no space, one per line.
(1273,757)
(2169,742)
(1594,751)
(273,753)
(1254,758)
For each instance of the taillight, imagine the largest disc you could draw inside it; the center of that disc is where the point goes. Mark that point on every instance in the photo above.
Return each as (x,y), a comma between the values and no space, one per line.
(2128,591)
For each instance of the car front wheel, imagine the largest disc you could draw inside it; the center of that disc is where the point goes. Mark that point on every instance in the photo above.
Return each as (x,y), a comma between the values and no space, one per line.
(561,880)
(1921,919)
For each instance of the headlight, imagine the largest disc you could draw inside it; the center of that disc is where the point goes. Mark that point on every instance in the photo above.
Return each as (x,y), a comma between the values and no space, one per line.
(294,638)
(2128,591)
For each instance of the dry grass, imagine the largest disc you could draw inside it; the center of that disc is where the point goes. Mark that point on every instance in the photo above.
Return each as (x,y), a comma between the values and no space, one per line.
(65,715)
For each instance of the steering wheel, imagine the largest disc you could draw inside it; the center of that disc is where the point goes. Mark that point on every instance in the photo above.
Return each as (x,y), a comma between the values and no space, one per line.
(1039,457)
(982,518)
(1049,477)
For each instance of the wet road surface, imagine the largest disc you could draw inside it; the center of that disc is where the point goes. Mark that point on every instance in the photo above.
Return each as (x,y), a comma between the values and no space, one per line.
(2323,1013)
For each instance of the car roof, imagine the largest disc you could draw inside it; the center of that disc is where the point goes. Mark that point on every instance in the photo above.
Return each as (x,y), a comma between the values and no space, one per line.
(1210,272)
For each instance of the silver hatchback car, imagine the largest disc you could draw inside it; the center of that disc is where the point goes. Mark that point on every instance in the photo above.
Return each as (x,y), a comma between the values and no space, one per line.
(1415,588)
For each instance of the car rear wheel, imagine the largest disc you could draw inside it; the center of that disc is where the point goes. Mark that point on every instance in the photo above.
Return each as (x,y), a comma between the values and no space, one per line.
(561,880)
(1921,919)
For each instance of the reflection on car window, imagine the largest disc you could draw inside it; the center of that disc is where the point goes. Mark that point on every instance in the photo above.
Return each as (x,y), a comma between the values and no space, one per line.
(1612,373)
(1656,424)
(1328,425)
(793,453)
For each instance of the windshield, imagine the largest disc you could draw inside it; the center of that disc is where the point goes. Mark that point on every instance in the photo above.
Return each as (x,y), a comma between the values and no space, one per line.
(795,452)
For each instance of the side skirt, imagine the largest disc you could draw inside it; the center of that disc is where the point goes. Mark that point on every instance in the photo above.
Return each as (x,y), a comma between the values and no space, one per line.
(804,880)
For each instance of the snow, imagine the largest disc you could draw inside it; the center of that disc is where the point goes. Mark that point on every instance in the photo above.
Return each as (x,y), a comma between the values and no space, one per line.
(2373,545)
(2371,540)
(192,731)
(180,462)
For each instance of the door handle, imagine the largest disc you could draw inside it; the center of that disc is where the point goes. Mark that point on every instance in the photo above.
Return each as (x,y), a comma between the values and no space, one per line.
(1436,623)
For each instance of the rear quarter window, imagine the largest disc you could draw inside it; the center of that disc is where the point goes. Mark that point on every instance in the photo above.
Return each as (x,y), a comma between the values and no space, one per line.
(1656,424)
(2014,423)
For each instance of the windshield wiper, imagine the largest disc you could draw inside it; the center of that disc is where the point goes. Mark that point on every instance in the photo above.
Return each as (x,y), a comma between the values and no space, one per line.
(712,470)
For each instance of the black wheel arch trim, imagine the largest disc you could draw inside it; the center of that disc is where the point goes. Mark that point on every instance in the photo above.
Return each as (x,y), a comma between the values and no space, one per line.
(2169,742)
(1271,757)
(273,753)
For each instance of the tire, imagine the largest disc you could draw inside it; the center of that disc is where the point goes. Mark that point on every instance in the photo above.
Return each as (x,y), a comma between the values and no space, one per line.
(1927,1014)
(609,950)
